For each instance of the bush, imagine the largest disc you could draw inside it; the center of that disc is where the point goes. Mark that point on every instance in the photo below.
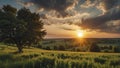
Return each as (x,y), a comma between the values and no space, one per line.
(61,47)
(39,46)
(55,47)
(116,49)
(4,57)
(47,48)
(100,60)
(44,62)
(115,62)
(106,50)
(94,48)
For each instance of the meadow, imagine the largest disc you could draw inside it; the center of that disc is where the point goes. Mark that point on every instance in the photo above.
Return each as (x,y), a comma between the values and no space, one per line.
(39,58)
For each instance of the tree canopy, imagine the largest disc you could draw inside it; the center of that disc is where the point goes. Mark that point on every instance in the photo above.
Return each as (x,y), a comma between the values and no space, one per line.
(20,27)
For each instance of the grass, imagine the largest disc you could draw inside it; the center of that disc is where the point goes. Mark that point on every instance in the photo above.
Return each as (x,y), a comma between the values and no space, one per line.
(38,58)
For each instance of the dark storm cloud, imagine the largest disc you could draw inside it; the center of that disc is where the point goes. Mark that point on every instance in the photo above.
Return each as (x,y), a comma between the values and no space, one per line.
(57,5)
(102,23)
(108,4)
(105,22)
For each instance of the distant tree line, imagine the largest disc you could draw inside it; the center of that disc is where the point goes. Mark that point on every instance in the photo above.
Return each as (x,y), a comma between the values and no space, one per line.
(72,45)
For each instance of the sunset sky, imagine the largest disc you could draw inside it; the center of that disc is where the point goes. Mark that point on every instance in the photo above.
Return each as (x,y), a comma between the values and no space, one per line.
(64,18)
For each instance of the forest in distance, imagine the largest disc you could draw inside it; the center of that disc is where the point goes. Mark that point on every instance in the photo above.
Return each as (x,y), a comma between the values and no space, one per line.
(82,44)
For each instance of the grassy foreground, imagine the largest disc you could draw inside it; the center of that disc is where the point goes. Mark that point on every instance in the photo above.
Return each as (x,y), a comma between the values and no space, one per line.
(37,58)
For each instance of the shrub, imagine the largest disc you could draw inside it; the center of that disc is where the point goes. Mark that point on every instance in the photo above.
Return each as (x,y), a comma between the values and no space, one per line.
(45,62)
(116,49)
(115,62)
(55,47)
(61,47)
(94,48)
(47,48)
(100,60)
(4,57)
(106,50)
(39,46)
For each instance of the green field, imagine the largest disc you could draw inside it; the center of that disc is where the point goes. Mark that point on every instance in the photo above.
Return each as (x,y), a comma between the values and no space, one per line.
(38,58)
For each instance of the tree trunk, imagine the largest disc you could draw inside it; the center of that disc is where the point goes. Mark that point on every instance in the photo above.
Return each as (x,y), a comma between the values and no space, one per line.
(20,48)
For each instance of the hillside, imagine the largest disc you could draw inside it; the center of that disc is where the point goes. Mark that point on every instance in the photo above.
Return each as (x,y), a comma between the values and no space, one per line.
(38,58)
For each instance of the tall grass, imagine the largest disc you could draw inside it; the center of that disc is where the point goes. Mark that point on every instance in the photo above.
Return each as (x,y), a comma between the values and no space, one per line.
(36,58)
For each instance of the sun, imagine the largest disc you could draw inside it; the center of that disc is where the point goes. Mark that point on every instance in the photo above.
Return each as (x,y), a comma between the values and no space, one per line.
(80,33)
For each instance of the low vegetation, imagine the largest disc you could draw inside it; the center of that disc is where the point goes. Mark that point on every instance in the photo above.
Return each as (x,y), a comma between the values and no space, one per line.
(38,58)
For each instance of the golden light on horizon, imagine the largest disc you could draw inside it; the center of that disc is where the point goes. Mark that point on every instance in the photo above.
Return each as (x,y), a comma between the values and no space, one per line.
(80,33)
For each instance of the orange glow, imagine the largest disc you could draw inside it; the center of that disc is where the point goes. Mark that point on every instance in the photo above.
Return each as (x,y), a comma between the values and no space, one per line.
(80,33)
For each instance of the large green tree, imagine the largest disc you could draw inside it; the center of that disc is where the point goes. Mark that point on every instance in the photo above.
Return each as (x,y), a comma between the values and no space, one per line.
(20,27)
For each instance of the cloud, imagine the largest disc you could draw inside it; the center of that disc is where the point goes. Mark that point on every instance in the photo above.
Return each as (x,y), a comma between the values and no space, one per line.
(72,11)
(58,5)
(67,20)
(69,29)
(106,5)
(89,3)
(103,22)
(25,4)
(108,22)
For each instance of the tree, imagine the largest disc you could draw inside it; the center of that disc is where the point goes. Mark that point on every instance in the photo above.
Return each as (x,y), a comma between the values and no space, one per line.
(94,48)
(116,49)
(61,47)
(20,27)
(55,47)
